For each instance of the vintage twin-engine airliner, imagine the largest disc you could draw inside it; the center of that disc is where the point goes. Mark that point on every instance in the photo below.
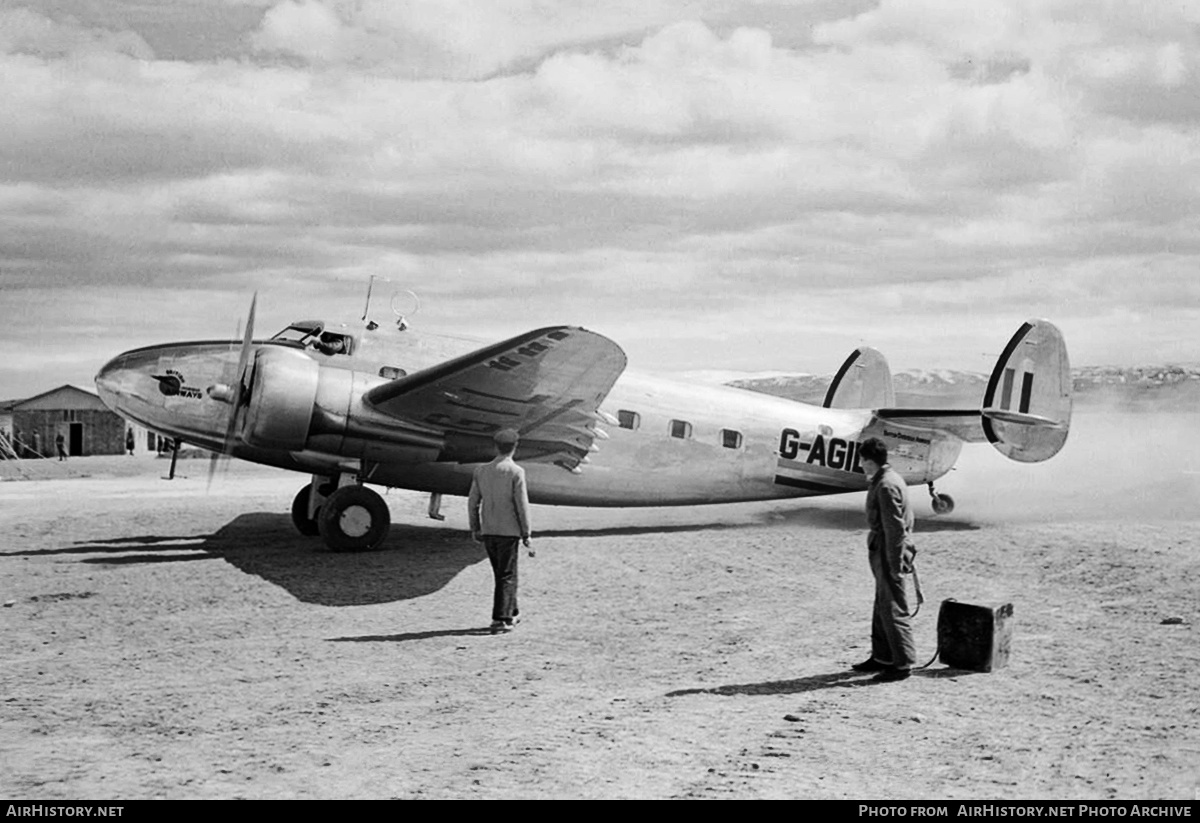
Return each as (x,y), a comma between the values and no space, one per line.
(391,406)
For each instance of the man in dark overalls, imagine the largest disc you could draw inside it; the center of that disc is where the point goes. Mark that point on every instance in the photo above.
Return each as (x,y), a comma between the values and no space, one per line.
(891,552)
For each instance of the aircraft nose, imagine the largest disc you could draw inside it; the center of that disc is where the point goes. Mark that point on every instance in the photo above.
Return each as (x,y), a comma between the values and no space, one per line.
(109,381)
(164,388)
(118,378)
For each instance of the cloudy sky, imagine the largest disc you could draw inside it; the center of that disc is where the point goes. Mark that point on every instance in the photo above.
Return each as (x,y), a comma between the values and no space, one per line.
(715,184)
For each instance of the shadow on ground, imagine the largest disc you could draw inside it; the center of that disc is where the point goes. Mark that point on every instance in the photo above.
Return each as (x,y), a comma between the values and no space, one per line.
(413,561)
(401,638)
(816,682)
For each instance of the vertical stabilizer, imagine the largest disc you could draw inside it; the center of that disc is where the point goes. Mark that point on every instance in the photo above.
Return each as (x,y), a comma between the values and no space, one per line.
(1027,405)
(863,382)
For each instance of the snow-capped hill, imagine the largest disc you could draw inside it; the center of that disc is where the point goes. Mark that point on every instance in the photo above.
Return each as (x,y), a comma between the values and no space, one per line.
(728,377)
(1175,386)
(937,377)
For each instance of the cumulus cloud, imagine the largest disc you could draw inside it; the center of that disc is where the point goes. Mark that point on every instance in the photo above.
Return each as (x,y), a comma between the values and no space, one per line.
(306,28)
(447,39)
(1129,59)
(756,169)
(25,31)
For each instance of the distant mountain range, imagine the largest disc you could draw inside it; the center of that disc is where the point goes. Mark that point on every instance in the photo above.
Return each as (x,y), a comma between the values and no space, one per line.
(1140,388)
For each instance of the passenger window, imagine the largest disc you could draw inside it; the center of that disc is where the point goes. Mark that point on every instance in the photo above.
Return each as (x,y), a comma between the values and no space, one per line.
(681,429)
(629,419)
(731,439)
(391,372)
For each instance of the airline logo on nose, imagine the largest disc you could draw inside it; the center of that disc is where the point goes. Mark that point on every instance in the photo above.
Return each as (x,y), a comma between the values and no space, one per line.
(171,384)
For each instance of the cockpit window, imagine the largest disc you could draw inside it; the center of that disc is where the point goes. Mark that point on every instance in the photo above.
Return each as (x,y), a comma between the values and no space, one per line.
(312,334)
(303,332)
(332,343)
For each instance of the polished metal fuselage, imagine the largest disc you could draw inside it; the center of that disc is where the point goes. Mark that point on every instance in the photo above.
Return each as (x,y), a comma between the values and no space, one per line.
(783,448)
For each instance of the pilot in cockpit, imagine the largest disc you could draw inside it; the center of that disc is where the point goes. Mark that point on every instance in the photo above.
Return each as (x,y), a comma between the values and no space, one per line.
(330,343)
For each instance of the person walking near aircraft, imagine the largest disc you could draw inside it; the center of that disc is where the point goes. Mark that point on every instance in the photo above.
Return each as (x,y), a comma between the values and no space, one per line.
(60,443)
(890,551)
(498,508)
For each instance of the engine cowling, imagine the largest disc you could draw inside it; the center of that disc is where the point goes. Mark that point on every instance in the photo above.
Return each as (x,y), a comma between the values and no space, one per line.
(280,408)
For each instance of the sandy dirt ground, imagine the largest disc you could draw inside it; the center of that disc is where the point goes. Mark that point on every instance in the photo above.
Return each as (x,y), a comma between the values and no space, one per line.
(164,641)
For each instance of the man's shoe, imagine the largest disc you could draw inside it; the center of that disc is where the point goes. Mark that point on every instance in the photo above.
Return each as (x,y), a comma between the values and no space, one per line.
(891,675)
(870,665)
(496,627)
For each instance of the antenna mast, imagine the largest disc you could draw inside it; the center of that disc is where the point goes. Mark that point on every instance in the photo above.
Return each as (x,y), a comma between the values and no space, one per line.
(367,307)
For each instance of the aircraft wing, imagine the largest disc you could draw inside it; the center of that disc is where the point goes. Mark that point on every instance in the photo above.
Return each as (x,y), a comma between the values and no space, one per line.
(547,384)
(965,424)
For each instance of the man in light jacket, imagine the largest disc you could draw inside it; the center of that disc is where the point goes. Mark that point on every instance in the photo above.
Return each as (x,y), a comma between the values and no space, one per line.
(498,508)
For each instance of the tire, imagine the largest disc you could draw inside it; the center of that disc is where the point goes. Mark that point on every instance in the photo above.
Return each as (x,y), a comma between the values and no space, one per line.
(354,519)
(943,504)
(300,519)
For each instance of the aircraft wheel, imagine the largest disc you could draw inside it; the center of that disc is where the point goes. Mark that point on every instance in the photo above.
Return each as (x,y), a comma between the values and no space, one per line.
(300,519)
(943,504)
(354,519)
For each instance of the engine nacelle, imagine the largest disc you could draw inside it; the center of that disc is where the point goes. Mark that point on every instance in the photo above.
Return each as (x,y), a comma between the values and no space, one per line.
(282,393)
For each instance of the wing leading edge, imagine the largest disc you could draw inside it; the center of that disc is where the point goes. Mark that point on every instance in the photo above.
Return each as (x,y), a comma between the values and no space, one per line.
(547,384)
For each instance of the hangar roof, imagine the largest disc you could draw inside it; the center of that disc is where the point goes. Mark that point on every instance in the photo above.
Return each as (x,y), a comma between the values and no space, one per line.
(65,396)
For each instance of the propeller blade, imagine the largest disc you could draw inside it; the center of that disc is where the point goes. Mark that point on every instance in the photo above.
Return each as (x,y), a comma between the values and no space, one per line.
(244,357)
(239,392)
(213,461)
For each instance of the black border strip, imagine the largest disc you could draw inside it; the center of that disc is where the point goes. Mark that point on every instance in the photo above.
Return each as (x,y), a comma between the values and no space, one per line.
(1001,364)
(837,378)
(809,485)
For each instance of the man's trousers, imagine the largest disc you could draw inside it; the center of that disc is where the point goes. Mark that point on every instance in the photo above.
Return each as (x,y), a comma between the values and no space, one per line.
(503,553)
(891,626)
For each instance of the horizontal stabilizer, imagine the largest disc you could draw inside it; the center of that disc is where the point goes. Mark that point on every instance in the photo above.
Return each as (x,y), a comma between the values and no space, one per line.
(965,424)
(863,382)
(1022,419)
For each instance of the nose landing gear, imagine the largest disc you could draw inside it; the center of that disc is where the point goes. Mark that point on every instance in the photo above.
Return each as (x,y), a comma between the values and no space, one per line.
(942,503)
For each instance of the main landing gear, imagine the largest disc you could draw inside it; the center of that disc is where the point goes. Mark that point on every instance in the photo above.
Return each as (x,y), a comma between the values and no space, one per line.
(942,503)
(350,518)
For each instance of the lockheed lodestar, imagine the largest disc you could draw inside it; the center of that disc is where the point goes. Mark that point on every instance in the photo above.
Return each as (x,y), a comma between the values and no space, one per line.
(387,405)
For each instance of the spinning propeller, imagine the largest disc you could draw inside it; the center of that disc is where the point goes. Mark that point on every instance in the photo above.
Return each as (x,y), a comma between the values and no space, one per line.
(234,394)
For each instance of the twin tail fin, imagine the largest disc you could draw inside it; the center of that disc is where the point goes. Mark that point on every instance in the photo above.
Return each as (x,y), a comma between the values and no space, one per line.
(1026,408)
